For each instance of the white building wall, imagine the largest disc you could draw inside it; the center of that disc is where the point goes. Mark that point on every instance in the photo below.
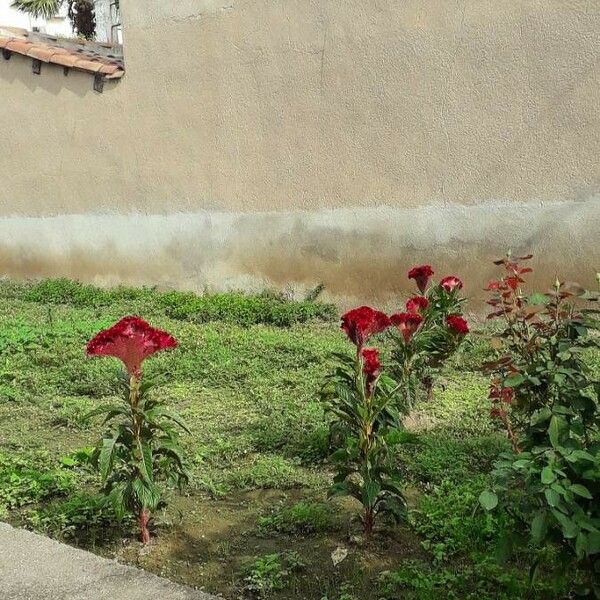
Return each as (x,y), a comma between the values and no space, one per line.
(58,25)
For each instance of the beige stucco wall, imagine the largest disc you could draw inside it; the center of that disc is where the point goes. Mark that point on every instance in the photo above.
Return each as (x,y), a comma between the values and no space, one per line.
(292,141)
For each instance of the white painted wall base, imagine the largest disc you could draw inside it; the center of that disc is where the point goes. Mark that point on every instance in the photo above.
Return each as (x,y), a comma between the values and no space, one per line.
(360,254)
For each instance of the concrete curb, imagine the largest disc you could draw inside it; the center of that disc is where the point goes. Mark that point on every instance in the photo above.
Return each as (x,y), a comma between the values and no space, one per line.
(33,567)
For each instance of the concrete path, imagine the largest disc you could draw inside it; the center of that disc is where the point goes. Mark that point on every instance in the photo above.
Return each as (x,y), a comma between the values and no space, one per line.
(33,567)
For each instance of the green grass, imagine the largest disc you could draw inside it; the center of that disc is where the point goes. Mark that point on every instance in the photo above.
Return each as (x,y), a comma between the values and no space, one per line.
(246,377)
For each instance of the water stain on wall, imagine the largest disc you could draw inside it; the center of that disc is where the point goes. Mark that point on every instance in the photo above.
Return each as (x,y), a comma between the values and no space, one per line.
(359,254)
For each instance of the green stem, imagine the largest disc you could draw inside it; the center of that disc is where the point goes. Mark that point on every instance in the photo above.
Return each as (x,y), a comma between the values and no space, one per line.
(134,401)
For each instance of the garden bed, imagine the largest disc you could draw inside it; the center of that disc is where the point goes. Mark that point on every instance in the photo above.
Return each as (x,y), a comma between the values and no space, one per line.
(254,520)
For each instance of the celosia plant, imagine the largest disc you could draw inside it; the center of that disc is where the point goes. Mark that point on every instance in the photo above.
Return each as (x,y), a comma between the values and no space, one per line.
(141,447)
(546,397)
(431,330)
(356,396)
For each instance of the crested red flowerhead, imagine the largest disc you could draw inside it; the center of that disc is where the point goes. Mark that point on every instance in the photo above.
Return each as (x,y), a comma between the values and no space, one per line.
(457,324)
(451,283)
(421,275)
(371,362)
(131,340)
(371,366)
(417,304)
(361,323)
(407,323)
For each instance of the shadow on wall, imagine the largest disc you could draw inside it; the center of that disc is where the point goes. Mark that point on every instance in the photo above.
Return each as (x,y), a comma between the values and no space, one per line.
(359,254)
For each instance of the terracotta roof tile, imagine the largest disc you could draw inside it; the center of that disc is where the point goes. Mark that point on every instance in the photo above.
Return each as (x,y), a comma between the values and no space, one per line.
(109,69)
(66,60)
(19,46)
(86,56)
(42,53)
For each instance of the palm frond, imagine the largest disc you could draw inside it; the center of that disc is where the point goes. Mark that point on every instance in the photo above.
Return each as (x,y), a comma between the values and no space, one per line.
(38,8)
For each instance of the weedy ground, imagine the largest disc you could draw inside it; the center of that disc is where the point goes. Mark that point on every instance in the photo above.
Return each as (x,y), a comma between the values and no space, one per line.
(255,521)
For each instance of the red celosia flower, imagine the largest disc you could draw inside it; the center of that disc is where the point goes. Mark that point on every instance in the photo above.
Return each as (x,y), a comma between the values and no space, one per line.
(457,324)
(417,304)
(131,340)
(407,323)
(451,283)
(361,323)
(371,364)
(421,276)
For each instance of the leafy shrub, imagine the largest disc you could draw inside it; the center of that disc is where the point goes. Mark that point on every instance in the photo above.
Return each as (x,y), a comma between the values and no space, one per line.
(301,518)
(22,483)
(545,396)
(231,307)
(244,309)
(74,293)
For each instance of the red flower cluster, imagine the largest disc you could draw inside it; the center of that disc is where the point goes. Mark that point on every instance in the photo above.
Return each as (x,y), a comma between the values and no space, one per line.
(451,283)
(131,340)
(417,304)
(421,275)
(407,324)
(457,324)
(361,323)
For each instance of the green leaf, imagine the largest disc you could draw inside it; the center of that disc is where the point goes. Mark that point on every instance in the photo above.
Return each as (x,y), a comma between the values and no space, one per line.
(514,380)
(146,467)
(106,457)
(147,494)
(569,527)
(547,476)
(581,545)
(581,490)
(557,427)
(339,489)
(537,298)
(370,492)
(539,526)
(488,500)
(552,497)
(38,8)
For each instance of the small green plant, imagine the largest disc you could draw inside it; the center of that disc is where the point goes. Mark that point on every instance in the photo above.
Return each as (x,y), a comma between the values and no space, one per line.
(357,396)
(301,518)
(449,524)
(79,513)
(547,399)
(266,575)
(142,445)
(26,481)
